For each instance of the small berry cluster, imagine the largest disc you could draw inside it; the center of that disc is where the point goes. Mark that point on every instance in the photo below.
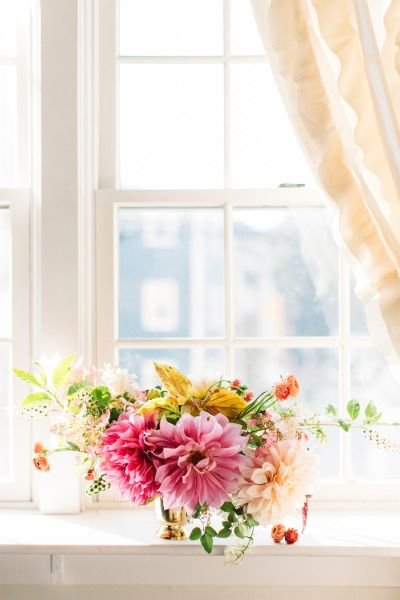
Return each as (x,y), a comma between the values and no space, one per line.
(278,532)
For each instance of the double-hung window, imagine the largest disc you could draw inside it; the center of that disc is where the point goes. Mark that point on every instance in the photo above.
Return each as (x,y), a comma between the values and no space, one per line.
(14,244)
(215,250)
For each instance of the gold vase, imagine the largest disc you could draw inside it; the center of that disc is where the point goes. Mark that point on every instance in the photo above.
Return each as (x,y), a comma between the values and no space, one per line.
(173,521)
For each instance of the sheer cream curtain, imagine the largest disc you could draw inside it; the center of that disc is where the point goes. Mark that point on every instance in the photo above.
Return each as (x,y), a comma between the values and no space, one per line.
(337,65)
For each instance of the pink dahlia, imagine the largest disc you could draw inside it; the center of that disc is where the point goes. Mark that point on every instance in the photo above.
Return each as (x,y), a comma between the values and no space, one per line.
(199,459)
(127,460)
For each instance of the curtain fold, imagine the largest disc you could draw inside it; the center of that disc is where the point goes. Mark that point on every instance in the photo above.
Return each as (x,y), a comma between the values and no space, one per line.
(342,95)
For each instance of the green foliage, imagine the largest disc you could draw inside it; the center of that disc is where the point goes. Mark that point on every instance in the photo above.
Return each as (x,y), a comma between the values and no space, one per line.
(225,532)
(35,399)
(353,409)
(344,425)
(99,402)
(228,507)
(239,531)
(77,387)
(371,414)
(210,531)
(195,534)
(27,377)
(251,522)
(207,542)
(331,410)
(62,370)
(73,446)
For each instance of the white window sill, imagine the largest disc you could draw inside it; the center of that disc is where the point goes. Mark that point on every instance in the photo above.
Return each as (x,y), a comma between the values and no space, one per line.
(120,547)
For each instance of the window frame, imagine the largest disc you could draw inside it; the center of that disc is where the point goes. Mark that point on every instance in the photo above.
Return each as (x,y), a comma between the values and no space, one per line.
(109,198)
(18,487)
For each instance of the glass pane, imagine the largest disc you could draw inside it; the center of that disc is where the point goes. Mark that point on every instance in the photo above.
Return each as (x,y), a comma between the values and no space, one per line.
(8,126)
(245,38)
(264,150)
(8,27)
(5,273)
(261,368)
(171,278)
(173,28)
(286,272)
(358,317)
(198,364)
(372,380)
(171,126)
(5,411)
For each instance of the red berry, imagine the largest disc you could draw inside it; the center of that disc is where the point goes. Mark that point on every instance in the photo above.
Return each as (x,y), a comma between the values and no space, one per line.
(291,536)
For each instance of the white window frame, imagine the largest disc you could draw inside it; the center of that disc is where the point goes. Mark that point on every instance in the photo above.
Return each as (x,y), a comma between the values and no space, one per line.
(109,199)
(18,201)
(18,487)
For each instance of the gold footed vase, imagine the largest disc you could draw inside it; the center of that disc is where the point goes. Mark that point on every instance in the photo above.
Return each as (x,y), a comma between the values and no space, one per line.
(173,521)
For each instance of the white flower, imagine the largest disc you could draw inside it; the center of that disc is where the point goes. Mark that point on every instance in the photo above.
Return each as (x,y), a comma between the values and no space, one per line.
(119,381)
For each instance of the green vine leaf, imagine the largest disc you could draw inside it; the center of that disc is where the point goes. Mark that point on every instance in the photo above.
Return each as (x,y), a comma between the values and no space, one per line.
(353,409)
(27,377)
(207,542)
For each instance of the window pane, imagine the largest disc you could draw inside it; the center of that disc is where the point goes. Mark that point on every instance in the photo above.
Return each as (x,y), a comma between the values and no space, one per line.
(245,38)
(8,126)
(317,372)
(5,273)
(264,150)
(286,273)
(173,28)
(358,317)
(8,24)
(171,280)
(5,411)
(198,364)
(171,126)
(372,380)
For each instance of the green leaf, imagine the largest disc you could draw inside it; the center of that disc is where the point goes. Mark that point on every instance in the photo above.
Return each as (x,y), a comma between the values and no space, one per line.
(101,395)
(195,534)
(232,517)
(27,377)
(76,387)
(73,446)
(331,410)
(251,522)
(371,413)
(42,373)
(207,542)
(62,370)
(344,425)
(210,531)
(353,409)
(226,524)
(36,398)
(225,532)
(227,507)
(239,531)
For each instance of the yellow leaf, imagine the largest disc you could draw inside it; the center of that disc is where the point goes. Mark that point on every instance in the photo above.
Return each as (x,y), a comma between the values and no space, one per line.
(224,401)
(178,386)
(163,404)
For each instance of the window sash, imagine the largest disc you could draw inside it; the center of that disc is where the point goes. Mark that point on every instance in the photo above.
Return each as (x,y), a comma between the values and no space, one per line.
(18,486)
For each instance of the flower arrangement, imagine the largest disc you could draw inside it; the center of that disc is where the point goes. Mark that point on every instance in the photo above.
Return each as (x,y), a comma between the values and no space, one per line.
(208,447)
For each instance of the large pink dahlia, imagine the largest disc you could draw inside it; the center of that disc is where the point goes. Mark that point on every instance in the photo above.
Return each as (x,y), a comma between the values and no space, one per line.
(199,459)
(127,460)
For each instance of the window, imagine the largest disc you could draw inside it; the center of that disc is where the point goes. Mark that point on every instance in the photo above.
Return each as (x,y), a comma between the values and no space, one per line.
(214,246)
(14,245)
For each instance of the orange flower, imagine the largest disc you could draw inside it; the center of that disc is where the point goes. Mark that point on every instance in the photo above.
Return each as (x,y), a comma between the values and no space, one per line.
(278,533)
(41,463)
(38,448)
(89,475)
(294,385)
(286,387)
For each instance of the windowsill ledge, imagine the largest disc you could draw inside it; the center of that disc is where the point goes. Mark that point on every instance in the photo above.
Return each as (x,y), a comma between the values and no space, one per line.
(120,547)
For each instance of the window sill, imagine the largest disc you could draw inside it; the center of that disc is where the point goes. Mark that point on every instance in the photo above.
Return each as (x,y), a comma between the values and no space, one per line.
(120,547)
